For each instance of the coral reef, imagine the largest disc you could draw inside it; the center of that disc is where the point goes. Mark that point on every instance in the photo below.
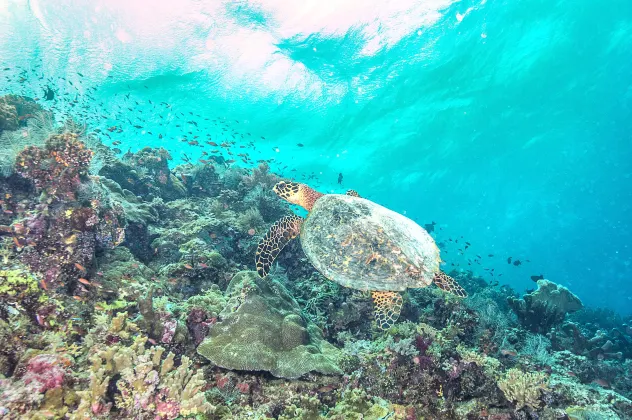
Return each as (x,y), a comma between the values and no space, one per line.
(125,292)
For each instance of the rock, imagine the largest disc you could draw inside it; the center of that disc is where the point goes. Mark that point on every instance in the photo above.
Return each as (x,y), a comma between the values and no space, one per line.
(261,329)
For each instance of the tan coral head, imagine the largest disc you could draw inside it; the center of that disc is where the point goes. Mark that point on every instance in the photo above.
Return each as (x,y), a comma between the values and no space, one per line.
(295,193)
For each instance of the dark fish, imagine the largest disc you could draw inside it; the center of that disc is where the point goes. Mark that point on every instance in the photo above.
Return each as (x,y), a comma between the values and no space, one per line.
(300,144)
(49,94)
(430,227)
(517,263)
(509,260)
(536,278)
(490,255)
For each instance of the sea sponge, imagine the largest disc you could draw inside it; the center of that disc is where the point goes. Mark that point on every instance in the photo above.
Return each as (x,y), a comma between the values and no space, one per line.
(262,329)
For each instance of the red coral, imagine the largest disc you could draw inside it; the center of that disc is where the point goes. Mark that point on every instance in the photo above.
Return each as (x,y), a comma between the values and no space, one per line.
(58,168)
(45,372)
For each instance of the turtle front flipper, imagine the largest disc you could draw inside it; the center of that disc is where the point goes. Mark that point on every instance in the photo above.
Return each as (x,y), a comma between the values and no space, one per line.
(280,233)
(353,193)
(388,305)
(447,283)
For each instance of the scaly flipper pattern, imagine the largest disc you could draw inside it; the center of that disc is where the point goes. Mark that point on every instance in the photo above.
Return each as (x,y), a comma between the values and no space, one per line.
(447,283)
(387,306)
(280,233)
(353,193)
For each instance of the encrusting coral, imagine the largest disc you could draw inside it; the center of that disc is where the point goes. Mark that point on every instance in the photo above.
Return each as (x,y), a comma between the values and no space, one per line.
(262,329)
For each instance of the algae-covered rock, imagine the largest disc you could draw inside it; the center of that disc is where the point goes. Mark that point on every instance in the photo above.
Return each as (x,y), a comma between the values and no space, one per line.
(545,307)
(262,329)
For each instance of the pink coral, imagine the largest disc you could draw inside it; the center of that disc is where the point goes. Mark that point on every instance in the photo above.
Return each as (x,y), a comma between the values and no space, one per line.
(169,331)
(44,372)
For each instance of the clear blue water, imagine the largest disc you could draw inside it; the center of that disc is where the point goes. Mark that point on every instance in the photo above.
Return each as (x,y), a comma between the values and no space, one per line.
(507,122)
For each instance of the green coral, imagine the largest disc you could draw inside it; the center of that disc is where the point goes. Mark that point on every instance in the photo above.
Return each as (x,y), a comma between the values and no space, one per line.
(490,365)
(17,285)
(357,405)
(262,329)
(523,388)
(211,300)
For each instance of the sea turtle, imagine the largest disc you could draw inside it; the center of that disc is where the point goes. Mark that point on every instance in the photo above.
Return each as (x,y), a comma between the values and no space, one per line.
(359,244)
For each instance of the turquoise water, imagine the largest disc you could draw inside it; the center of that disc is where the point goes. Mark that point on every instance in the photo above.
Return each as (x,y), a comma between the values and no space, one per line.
(506,123)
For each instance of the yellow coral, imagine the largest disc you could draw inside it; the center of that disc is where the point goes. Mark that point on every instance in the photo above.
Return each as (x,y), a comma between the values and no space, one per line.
(523,388)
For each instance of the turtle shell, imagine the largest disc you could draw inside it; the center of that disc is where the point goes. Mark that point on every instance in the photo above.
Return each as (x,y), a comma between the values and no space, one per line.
(360,244)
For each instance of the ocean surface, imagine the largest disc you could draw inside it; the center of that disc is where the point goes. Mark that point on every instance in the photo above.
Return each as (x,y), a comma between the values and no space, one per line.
(508,123)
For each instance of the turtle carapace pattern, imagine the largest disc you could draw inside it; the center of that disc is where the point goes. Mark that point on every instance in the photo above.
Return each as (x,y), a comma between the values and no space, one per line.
(359,244)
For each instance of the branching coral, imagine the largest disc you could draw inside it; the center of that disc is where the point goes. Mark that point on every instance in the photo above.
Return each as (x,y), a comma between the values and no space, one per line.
(524,389)
(148,384)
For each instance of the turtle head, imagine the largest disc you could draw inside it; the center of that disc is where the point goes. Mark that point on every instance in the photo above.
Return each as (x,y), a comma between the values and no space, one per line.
(295,193)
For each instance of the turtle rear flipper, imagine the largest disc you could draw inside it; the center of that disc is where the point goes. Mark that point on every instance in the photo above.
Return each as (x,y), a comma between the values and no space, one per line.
(388,305)
(280,233)
(447,283)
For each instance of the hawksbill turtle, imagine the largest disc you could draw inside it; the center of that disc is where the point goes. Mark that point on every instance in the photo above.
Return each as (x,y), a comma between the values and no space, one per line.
(359,244)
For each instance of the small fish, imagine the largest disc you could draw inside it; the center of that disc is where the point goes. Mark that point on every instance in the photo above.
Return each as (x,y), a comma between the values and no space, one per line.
(300,144)
(509,260)
(188,266)
(84,281)
(80,267)
(602,383)
(70,239)
(490,255)
(430,227)
(517,263)
(78,298)
(116,142)
(202,265)
(510,353)
(536,278)
(43,284)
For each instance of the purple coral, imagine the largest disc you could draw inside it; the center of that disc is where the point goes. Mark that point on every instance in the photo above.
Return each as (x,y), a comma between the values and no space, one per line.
(198,324)
(169,330)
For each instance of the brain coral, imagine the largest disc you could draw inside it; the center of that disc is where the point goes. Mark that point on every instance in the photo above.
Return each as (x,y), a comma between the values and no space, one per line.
(261,329)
